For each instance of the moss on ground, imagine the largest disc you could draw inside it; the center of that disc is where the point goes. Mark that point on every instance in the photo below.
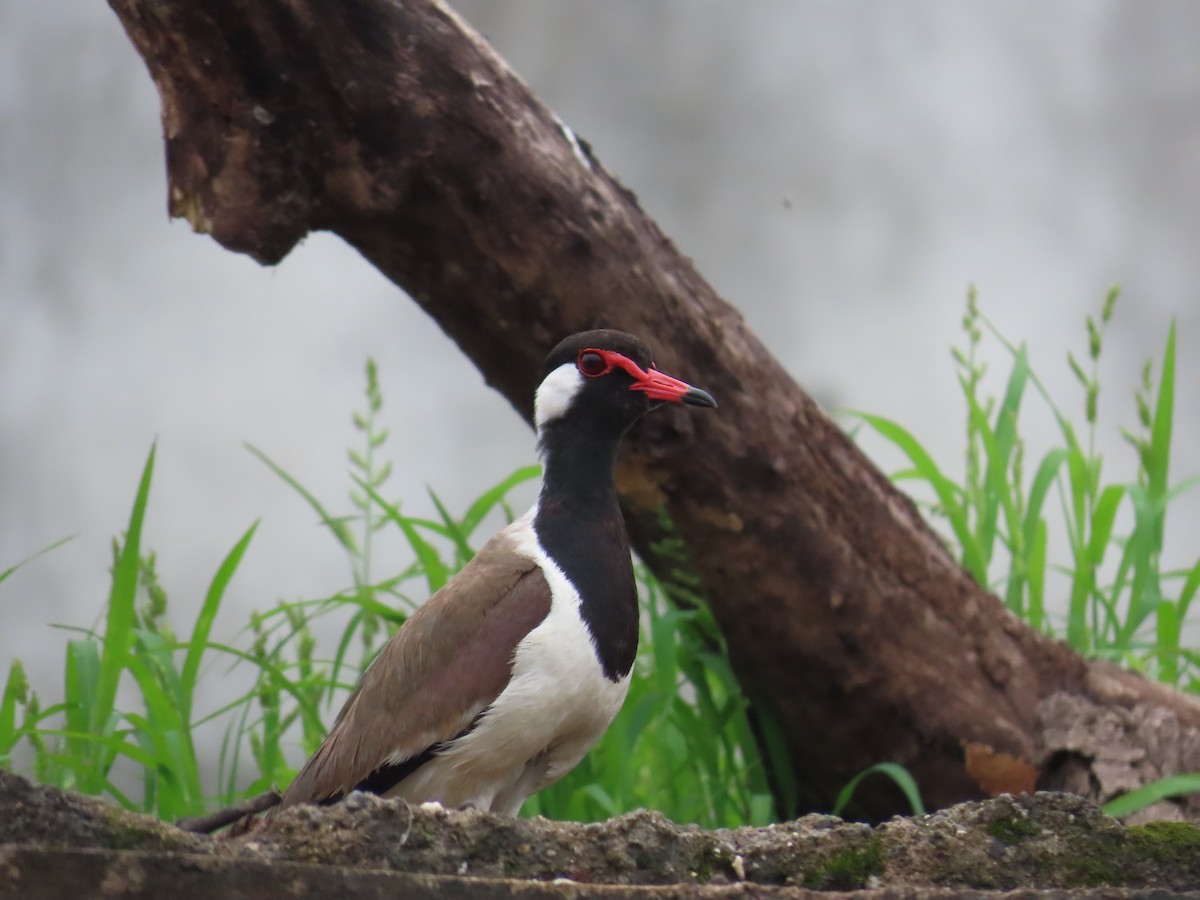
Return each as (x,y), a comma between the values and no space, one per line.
(1012,829)
(1166,844)
(848,869)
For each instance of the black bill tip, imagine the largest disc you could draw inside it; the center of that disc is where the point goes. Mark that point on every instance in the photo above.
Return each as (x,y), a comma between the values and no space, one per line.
(697,397)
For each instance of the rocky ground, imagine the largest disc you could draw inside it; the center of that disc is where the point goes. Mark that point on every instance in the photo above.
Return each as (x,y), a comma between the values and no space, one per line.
(54,844)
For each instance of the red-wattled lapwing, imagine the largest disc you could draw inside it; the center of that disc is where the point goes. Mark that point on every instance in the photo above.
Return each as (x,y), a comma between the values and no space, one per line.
(499,684)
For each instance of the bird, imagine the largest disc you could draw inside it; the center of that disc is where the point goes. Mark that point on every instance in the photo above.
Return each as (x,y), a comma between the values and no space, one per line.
(498,685)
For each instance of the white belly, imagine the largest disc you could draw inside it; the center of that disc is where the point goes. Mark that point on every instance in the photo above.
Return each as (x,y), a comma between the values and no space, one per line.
(554,709)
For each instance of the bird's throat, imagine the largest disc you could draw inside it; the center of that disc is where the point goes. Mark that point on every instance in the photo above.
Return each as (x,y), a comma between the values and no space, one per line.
(580,526)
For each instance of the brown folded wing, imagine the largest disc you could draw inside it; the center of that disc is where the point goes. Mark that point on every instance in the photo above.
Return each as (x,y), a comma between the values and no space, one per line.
(446,665)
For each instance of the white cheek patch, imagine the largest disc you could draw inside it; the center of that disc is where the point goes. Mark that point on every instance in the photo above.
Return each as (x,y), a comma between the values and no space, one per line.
(555,393)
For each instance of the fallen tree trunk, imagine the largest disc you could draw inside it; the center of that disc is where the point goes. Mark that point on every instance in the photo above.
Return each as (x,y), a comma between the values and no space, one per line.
(394,125)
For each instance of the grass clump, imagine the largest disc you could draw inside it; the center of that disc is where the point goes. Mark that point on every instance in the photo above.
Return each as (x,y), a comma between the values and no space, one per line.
(1123,602)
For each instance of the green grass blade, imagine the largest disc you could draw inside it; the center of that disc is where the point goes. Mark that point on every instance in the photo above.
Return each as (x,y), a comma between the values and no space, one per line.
(1142,549)
(1034,538)
(897,773)
(16,690)
(948,493)
(343,647)
(335,525)
(1043,480)
(11,569)
(1188,592)
(778,758)
(1064,424)
(976,493)
(1005,428)
(80,683)
(1148,794)
(153,656)
(490,498)
(436,572)
(119,621)
(1000,445)
(204,621)
(1083,572)
(453,529)
(432,526)
(1167,627)
(1164,412)
(1103,515)
(602,799)
(1035,577)
(115,744)
(1183,487)
(278,677)
(163,732)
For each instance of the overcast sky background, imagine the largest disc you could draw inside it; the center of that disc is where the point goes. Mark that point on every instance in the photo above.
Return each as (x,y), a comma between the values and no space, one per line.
(839,171)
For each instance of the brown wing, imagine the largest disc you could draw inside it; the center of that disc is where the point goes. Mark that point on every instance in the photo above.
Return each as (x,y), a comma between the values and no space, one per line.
(444,666)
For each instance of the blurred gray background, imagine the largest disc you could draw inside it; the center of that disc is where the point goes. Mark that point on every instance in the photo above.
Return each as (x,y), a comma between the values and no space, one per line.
(840,171)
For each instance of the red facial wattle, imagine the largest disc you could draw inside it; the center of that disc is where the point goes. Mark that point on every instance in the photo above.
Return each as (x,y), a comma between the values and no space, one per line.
(654,384)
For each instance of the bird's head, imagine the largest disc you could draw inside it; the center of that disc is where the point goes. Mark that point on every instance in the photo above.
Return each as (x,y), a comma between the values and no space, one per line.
(607,379)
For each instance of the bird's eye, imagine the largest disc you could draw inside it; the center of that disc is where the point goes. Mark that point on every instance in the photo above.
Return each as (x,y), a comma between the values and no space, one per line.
(592,364)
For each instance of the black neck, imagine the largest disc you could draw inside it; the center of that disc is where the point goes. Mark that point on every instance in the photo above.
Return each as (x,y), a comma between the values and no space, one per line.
(579,524)
(577,468)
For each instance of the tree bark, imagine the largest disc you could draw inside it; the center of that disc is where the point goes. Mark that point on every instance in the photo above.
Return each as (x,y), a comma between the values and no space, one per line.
(394,125)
